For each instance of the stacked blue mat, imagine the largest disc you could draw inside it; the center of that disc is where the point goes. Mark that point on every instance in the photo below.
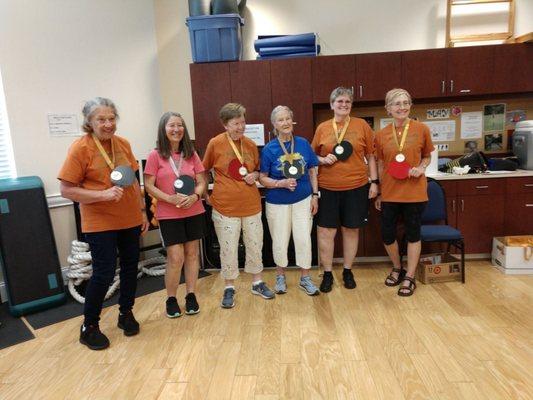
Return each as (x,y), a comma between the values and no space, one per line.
(285,46)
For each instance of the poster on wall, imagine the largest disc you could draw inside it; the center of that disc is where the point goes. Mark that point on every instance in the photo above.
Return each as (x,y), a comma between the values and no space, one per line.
(256,132)
(493,142)
(383,122)
(63,125)
(493,117)
(442,131)
(471,125)
(438,113)
(514,116)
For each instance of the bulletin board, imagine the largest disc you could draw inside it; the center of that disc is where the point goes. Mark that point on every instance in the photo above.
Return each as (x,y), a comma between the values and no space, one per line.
(457,127)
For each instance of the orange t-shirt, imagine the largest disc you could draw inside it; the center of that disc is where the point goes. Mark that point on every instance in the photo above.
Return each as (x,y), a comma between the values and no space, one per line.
(353,172)
(230,197)
(85,166)
(417,146)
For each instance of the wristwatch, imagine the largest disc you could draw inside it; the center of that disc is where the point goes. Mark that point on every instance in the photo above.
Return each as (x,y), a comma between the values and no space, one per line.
(317,194)
(376,181)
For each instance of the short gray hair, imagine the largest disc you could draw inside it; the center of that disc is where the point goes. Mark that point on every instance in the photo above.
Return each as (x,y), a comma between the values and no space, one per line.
(91,106)
(396,92)
(340,91)
(275,113)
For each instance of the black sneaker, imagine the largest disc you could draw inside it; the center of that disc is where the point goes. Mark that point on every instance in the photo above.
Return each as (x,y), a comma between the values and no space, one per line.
(91,337)
(173,309)
(191,305)
(347,277)
(327,282)
(128,324)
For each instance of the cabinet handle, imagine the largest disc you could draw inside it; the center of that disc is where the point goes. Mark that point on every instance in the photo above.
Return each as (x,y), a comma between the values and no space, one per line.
(352,91)
(453,206)
(443,86)
(529,205)
(528,184)
(462,205)
(482,187)
(361,91)
(451,86)
(464,91)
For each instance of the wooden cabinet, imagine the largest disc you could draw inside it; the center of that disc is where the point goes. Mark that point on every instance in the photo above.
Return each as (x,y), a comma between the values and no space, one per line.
(424,73)
(250,86)
(469,70)
(373,243)
(210,91)
(519,206)
(512,68)
(330,72)
(376,74)
(291,86)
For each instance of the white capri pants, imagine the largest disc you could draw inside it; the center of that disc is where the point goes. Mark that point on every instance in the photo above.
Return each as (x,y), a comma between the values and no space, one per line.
(228,231)
(284,218)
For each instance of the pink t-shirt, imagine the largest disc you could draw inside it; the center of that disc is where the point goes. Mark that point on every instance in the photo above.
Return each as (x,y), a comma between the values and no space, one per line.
(164,181)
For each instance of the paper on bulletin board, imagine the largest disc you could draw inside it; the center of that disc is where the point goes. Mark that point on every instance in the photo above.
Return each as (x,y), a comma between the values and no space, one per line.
(383,122)
(63,125)
(442,131)
(471,125)
(256,132)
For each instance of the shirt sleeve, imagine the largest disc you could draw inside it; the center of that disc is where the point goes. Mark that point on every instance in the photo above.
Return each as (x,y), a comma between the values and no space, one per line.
(265,160)
(311,158)
(369,140)
(378,145)
(152,163)
(129,155)
(315,144)
(209,156)
(198,166)
(255,153)
(428,144)
(75,165)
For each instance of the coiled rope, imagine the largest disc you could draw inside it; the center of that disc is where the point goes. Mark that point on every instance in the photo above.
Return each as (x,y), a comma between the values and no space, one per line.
(80,269)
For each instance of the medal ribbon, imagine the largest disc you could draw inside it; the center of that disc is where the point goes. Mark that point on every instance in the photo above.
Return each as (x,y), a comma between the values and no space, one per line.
(404,136)
(289,157)
(173,165)
(343,132)
(104,154)
(235,150)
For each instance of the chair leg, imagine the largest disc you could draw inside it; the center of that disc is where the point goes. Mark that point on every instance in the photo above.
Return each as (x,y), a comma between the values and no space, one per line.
(462,261)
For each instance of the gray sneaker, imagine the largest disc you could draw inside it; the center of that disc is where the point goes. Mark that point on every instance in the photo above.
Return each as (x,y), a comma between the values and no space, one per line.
(228,300)
(307,285)
(281,284)
(262,290)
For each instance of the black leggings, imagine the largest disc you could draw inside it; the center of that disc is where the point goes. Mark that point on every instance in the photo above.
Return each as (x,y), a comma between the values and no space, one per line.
(411,213)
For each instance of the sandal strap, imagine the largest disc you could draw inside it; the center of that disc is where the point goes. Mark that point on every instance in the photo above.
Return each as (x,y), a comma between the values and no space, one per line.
(412,282)
(398,270)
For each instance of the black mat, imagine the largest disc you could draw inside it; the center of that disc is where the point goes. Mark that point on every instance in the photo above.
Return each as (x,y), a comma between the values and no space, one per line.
(13,330)
(146,285)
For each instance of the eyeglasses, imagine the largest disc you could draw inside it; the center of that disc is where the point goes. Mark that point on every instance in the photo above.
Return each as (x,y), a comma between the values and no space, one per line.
(399,104)
(102,121)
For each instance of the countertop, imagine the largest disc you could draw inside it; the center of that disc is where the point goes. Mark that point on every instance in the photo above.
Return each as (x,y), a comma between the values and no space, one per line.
(519,173)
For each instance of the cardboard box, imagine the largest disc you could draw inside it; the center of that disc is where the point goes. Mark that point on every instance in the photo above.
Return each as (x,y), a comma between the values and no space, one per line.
(511,260)
(434,268)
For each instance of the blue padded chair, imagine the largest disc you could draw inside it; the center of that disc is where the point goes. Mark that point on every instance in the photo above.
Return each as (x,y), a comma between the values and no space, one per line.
(435,213)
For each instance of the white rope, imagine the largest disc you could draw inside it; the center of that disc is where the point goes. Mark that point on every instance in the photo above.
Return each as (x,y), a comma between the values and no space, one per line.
(80,269)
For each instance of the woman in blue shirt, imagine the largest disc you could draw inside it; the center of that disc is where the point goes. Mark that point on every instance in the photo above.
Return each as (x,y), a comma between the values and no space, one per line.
(289,172)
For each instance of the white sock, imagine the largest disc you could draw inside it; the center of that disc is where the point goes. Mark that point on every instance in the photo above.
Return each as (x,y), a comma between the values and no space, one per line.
(257,282)
(229,287)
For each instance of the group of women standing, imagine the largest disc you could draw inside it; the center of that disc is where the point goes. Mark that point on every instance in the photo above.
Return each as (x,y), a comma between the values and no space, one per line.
(334,177)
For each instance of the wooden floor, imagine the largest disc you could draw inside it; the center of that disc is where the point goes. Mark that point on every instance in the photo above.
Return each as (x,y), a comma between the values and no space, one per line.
(448,341)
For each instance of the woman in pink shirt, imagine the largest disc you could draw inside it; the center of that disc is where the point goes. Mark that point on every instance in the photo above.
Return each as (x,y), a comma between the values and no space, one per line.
(174,176)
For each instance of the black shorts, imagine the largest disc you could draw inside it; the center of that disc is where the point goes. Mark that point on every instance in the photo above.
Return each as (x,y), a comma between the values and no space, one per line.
(411,214)
(182,230)
(348,208)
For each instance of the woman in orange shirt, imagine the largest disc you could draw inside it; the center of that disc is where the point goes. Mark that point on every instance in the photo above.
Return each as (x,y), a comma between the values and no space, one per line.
(403,150)
(345,149)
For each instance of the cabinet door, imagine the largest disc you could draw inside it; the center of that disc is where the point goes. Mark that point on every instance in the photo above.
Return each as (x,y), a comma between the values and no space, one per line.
(330,72)
(373,244)
(512,68)
(424,73)
(291,86)
(480,218)
(519,214)
(211,89)
(450,191)
(250,86)
(376,74)
(469,70)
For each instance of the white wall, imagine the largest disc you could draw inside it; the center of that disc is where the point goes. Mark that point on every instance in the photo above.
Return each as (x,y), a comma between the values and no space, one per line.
(54,55)
(344,27)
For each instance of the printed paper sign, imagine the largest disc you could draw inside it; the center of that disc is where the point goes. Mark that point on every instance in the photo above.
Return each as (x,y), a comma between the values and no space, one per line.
(471,125)
(442,131)
(438,113)
(256,132)
(63,125)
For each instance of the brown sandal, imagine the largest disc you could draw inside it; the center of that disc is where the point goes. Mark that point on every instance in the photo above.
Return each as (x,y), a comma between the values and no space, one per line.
(406,291)
(395,281)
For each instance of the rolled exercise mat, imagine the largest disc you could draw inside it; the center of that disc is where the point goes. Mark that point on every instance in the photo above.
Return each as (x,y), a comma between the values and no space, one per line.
(271,51)
(304,39)
(199,7)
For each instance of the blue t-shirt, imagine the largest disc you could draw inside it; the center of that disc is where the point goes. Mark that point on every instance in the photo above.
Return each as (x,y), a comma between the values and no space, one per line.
(272,164)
